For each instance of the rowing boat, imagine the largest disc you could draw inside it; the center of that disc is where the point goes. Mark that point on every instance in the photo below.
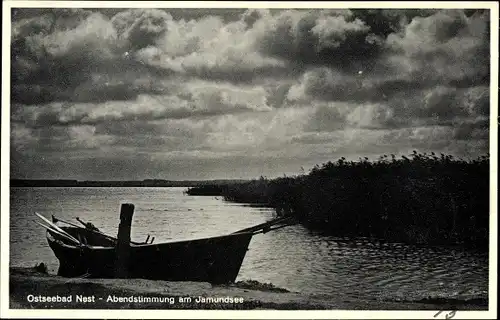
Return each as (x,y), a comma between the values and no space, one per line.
(85,251)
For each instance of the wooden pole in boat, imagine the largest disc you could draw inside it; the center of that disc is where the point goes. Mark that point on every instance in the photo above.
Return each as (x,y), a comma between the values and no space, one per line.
(123,243)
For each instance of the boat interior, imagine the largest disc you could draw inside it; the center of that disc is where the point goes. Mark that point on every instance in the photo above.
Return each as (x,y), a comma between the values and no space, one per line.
(88,237)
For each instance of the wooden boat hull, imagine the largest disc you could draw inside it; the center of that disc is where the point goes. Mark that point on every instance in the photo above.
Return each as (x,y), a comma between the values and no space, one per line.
(216,260)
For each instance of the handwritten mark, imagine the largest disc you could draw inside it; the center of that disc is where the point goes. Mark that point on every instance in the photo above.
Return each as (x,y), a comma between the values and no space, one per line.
(449,315)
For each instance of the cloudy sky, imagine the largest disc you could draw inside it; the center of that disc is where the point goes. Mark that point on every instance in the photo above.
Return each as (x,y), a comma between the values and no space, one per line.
(237,93)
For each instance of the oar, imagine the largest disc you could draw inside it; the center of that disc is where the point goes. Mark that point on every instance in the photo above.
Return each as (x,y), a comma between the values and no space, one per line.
(91,230)
(54,226)
(270,229)
(80,227)
(59,233)
(87,225)
(63,234)
(102,234)
(78,219)
(266,225)
(55,220)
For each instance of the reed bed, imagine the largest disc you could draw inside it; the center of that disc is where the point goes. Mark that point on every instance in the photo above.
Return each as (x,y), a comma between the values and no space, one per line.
(420,198)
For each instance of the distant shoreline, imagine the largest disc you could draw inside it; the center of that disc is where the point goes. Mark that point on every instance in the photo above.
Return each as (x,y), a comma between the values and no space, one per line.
(117,183)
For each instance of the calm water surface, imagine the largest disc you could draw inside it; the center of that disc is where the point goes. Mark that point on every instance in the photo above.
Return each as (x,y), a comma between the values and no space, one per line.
(291,258)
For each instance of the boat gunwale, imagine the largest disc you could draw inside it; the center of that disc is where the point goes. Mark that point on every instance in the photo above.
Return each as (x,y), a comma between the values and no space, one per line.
(142,245)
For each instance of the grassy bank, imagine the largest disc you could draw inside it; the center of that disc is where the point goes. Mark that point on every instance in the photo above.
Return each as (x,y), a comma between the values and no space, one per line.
(422,198)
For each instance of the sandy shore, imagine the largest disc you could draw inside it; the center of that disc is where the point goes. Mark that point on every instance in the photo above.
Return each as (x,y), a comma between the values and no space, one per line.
(27,286)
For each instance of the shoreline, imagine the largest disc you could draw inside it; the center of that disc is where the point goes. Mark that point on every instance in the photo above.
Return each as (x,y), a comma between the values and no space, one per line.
(29,284)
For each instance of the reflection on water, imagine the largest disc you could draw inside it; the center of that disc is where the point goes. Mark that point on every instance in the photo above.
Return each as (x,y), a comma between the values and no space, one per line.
(292,257)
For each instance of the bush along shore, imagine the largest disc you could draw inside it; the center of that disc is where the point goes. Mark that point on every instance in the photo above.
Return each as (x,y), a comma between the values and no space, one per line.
(424,198)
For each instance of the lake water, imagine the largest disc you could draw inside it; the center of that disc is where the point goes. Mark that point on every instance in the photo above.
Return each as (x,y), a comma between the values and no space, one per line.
(291,258)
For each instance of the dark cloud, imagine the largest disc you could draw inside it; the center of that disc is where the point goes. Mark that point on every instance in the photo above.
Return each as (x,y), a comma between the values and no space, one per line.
(131,128)
(187,86)
(440,105)
(335,38)
(327,118)
(65,48)
(61,53)
(189,102)
(331,85)
(227,14)
(252,15)
(446,48)
(311,138)
(240,75)
(276,94)
(472,130)
(442,26)
(141,28)
(76,64)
